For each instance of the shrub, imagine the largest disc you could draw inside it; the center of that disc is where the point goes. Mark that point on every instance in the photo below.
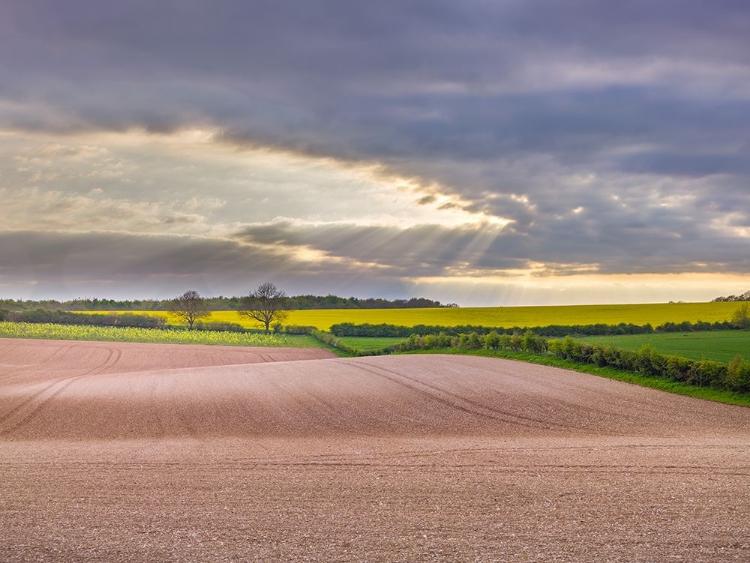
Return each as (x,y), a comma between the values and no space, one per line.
(473,342)
(138,321)
(533,344)
(738,374)
(492,341)
(708,373)
(598,356)
(297,329)
(505,341)
(678,368)
(444,341)
(219,327)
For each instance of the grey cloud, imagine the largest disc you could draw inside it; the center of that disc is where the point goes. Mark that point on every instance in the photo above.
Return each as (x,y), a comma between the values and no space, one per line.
(68,265)
(304,77)
(485,99)
(429,37)
(426,250)
(687,164)
(650,245)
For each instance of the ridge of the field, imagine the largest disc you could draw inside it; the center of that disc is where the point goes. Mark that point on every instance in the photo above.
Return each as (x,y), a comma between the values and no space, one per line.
(83,390)
(530,316)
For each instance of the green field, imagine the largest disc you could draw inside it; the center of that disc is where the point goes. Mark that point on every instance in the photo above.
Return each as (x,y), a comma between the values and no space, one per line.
(721,346)
(368,344)
(654,313)
(119,334)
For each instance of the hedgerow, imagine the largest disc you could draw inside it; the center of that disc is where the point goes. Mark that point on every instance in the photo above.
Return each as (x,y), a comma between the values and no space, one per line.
(47,316)
(550,331)
(734,376)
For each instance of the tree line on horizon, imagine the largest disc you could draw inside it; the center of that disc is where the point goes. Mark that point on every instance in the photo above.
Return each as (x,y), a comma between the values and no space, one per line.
(221,303)
(733,298)
(266,305)
(740,320)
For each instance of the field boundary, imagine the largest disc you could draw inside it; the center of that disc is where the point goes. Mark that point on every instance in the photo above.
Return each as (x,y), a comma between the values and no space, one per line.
(705,379)
(661,384)
(551,331)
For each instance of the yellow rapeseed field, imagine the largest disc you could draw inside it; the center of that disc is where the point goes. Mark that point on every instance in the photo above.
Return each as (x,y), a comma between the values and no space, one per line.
(653,313)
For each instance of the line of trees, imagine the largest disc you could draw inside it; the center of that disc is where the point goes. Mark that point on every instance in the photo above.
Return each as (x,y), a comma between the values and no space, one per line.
(221,303)
(68,318)
(730,298)
(739,320)
(267,305)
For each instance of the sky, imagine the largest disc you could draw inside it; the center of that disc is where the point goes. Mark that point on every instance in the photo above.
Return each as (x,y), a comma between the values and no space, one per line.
(484,152)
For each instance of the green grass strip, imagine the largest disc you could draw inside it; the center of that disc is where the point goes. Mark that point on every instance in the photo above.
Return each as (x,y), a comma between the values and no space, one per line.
(369,343)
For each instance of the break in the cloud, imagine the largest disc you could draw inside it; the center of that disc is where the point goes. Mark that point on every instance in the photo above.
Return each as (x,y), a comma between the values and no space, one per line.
(521,151)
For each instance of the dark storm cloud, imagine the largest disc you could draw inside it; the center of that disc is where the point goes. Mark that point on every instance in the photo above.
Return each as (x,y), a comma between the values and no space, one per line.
(638,112)
(67,265)
(109,256)
(695,165)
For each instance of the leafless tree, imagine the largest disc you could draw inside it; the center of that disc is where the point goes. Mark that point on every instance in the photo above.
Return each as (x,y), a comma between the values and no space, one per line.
(189,307)
(265,305)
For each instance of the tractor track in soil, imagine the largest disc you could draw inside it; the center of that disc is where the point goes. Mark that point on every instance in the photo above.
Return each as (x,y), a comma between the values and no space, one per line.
(121,452)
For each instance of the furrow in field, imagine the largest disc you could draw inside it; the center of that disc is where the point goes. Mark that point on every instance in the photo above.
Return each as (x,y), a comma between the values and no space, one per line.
(429,395)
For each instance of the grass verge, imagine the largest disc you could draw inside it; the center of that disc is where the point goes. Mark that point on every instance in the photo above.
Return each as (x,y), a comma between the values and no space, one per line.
(370,343)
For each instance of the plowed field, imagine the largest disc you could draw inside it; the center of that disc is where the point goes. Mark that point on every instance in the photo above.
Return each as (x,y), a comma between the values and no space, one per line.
(138,452)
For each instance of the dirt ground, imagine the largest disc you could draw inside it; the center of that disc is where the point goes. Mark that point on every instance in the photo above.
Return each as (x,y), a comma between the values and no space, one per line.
(136,452)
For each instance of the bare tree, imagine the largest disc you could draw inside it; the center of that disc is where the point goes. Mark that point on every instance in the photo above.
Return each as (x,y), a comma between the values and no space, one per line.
(265,305)
(189,307)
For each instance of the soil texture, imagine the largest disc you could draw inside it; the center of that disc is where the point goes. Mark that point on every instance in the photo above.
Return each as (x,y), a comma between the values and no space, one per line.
(120,452)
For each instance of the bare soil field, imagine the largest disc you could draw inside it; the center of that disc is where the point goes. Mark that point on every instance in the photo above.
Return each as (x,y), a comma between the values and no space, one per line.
(143,452)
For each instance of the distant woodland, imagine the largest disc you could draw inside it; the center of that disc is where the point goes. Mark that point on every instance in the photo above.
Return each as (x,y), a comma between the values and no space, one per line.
(222,303)
(730,298)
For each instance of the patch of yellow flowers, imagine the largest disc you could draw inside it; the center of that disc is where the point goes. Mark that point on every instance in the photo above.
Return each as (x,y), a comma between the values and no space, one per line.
(125,334)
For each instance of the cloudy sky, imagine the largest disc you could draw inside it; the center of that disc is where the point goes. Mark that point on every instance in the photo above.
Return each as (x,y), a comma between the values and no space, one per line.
(489,152)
